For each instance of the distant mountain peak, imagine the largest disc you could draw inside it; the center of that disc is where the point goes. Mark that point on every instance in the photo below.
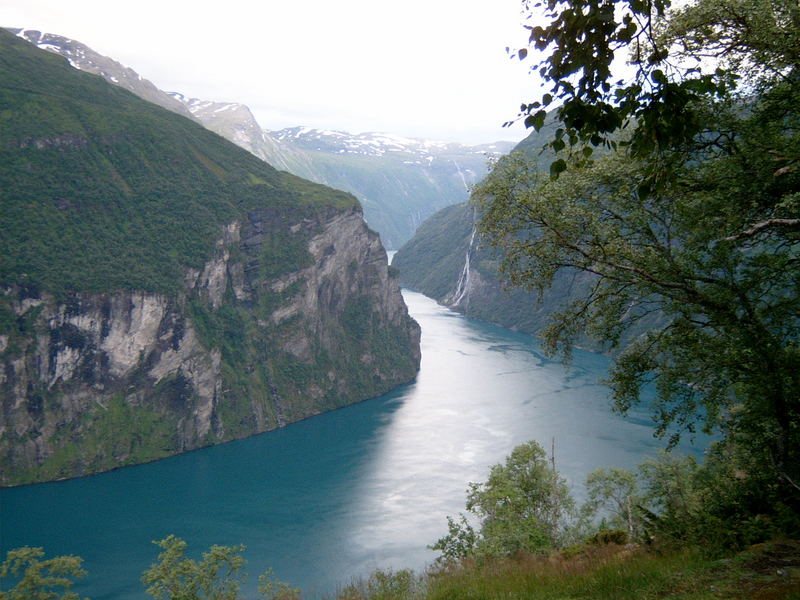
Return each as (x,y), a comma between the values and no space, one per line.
(85,59)
(378,143)
(196,105)
(399,180)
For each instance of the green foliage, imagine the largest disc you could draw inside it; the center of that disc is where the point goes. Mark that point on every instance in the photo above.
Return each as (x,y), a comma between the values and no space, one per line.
(103,191)
(216,576)
(224,328)
(175,577)
(8,320)
(726,504)
(614,491)
(356,317)
(19,329)
(697,220)
(727,356)
(524,506)
(284,252)
(578,43)
(274,589)
(460,542)
(384,585)
(671,484)
(38,578)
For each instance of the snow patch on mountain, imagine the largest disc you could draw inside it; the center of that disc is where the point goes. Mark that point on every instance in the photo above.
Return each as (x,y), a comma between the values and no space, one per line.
(379,144)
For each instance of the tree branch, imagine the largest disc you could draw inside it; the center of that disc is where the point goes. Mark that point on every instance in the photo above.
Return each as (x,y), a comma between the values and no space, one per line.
(790,224)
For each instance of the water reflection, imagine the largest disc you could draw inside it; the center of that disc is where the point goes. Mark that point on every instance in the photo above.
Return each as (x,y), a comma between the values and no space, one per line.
(340,494)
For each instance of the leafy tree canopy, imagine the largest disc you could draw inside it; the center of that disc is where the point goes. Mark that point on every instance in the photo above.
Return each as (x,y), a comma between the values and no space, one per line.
(696,216)
(615,491)
(175,577)
(40,578)
(676,62)
(524,506)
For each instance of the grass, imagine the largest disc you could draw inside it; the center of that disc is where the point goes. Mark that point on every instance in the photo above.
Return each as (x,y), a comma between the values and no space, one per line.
(764,572)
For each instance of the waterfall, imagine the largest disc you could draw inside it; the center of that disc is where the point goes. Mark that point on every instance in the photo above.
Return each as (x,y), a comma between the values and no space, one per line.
(462,287)
(460,174)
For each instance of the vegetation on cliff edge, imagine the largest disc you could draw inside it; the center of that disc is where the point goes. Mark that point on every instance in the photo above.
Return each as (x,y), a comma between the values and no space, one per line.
(104,191)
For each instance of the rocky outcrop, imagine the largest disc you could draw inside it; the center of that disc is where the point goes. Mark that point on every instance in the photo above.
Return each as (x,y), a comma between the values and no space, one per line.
(89,382)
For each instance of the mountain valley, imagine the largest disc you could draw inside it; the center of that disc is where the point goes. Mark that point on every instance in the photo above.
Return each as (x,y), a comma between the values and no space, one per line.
(398,181)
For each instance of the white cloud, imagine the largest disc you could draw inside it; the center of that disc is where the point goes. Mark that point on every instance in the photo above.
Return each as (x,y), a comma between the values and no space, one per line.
(424,68)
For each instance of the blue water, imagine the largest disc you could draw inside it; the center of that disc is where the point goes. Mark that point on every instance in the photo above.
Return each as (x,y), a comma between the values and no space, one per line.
(333,497)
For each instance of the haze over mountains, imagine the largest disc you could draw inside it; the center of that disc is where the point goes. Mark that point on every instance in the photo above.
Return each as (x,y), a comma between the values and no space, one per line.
(399,181)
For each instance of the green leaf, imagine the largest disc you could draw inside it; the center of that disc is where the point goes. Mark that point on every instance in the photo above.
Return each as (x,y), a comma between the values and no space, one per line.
(658,77)
(557,167)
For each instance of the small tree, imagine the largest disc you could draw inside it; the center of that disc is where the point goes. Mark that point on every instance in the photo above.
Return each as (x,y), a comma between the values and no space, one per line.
(175,577)
(48,579)
(273,589)
(674,493)
(615,491)
(524,506)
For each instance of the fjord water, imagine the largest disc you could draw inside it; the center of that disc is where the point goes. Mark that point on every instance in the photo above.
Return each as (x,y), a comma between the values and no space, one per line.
(335,496)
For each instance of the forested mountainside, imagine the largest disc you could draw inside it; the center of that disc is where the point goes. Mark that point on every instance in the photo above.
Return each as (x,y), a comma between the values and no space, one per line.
(398,181)
(447,261)
(162,289)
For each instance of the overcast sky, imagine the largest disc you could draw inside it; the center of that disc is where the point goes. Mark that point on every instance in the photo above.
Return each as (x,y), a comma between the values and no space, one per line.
(435,69)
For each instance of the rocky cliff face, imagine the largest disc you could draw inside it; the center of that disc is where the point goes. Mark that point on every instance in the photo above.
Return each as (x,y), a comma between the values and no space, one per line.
(90,382)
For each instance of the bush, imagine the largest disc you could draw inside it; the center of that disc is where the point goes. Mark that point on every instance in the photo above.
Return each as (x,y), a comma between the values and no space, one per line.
(609,536)
(523,507)
(384,585)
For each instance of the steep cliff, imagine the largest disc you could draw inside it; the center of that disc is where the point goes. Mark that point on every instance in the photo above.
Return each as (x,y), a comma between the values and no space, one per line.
(163,290)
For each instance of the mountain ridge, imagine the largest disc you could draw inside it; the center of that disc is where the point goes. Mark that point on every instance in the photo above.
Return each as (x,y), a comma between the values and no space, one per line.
(398,183)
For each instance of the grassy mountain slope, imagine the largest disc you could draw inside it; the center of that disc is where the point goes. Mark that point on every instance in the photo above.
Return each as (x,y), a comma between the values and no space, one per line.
(103,191)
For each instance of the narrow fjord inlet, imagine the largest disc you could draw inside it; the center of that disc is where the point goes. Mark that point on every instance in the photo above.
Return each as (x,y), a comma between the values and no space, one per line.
(439,301)
(335,496)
